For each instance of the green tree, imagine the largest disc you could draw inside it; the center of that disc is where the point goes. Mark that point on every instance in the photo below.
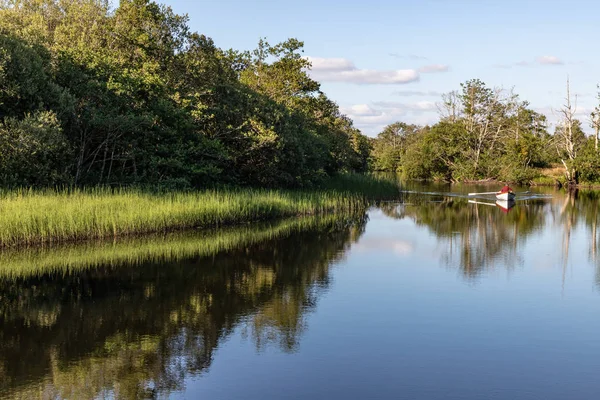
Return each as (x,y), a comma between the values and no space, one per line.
(141,99)
(391,144)
(32,151)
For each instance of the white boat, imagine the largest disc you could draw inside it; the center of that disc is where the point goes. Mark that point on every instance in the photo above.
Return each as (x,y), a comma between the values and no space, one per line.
(507,196)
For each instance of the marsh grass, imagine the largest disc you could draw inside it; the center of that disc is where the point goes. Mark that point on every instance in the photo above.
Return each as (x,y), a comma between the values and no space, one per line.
(30,217)
(380,187)
(173,246)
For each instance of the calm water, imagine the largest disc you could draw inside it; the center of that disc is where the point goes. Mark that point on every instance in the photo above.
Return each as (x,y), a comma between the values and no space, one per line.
(430,298)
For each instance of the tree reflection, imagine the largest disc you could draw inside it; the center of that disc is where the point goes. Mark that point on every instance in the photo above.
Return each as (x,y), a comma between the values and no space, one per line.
(579,208)
(474,236)
(477,237)
(138,330)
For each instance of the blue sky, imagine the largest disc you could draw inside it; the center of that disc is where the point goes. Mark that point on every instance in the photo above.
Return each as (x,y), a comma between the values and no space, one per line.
(384,61)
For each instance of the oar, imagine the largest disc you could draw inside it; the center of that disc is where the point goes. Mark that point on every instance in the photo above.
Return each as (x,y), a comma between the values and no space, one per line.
(475,194)
(480,202)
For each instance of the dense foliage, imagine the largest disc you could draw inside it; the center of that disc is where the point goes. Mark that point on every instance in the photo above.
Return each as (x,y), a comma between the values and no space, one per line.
(94,95)
(488,133)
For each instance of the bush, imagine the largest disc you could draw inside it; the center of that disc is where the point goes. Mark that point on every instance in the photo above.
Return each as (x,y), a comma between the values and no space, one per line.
(588,164)
(32,151)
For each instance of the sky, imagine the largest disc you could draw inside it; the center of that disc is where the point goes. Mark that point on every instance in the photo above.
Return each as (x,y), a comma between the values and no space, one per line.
(384,61)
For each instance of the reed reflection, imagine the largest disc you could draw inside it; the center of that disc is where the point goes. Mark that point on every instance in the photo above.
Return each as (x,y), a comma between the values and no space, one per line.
(137,330)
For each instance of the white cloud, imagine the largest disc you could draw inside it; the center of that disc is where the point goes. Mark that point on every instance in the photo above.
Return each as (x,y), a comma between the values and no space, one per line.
(408,93)
(428,69)
(371,118)
(343,70)
(425,106)
(373,127)
(331,64)
(549,60)
(419,106)
(363,110)
(397,246)
(366,76)
(373,124)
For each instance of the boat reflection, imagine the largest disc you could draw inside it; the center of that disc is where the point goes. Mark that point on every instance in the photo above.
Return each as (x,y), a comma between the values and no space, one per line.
(505,205)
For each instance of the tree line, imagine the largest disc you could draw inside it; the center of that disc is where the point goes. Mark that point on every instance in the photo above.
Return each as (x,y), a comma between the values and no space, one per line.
(95,95)
(91,95)
(490,133)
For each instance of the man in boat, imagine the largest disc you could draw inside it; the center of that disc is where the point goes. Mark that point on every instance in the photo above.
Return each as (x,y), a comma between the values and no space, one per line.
(506,189)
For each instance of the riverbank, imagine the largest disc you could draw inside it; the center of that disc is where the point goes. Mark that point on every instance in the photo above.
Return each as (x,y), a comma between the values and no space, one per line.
(553,176)
(29,217)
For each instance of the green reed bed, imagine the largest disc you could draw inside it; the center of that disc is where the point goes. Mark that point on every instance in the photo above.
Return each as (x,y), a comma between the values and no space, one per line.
(371,186)
(35,217)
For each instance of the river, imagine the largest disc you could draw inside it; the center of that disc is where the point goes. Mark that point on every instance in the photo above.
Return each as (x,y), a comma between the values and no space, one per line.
(430,297)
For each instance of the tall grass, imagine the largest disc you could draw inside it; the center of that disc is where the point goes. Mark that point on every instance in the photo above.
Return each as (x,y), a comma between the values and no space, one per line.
(371,186)
(35,217)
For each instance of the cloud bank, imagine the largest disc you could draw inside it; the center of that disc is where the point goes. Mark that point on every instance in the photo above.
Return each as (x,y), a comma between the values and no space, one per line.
(549,60)
(371,118)
(344,70)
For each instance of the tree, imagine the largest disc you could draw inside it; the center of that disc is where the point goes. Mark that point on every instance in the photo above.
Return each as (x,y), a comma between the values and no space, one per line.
(449,108)
(569,136)
(141,99)
(390,145)
(32,151)
(595,122)
(484,115)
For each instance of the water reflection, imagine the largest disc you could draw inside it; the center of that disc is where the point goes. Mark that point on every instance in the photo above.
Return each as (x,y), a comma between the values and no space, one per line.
(576,208)
(137,329)
(476,235)
(138,317)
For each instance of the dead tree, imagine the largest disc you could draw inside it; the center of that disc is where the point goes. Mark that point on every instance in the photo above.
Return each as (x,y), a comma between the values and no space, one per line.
(566,145)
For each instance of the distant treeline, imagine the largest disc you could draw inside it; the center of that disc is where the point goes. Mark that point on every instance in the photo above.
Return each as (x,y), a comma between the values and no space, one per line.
(94,95)
(488,133)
